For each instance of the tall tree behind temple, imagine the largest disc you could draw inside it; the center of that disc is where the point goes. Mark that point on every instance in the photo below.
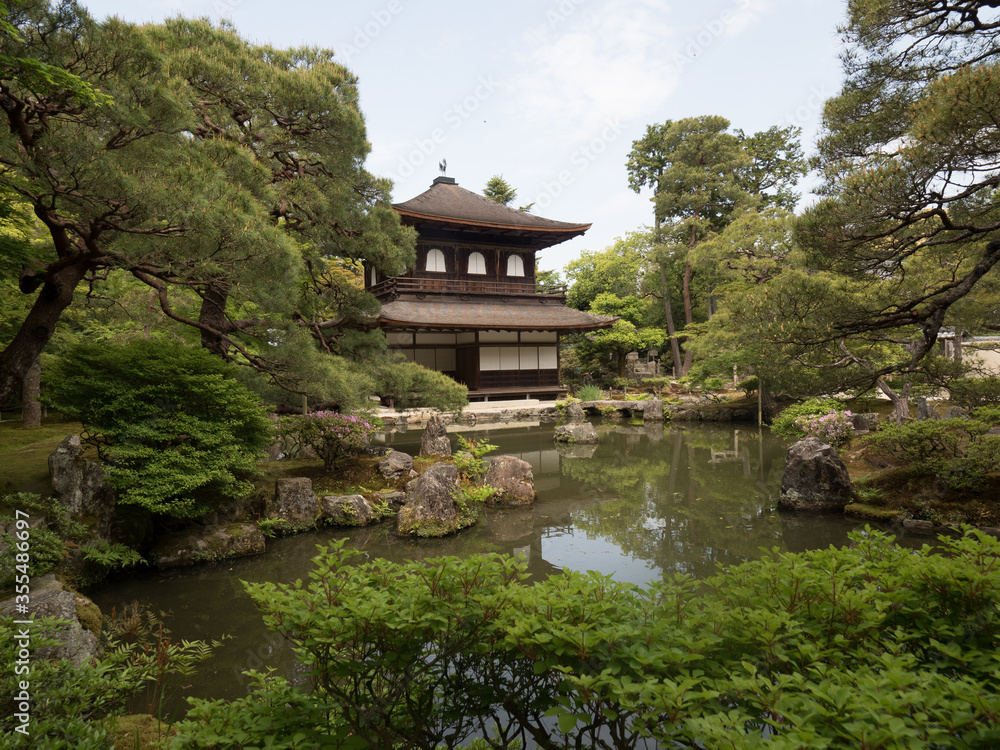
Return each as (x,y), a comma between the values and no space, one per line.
(702,176)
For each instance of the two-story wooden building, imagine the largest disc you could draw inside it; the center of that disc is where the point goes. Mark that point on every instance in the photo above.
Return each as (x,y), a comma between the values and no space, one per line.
(470,307)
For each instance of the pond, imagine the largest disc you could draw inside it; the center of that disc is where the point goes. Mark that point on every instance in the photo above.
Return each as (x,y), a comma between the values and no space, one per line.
(649,500)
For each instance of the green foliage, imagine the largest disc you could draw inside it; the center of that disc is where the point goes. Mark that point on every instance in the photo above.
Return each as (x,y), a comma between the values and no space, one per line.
(973,392)
(749,386)
(589,393)
(407,385)
(112,556)
(48,542)
(959,452)
(469,458)
(784,425)
(871,645)
(712,384)
(178,433)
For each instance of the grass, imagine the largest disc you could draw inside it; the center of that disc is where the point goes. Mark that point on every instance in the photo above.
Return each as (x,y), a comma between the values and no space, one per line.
(24,453)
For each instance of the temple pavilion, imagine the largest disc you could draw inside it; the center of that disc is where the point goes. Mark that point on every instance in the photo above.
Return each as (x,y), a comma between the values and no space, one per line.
(470,307)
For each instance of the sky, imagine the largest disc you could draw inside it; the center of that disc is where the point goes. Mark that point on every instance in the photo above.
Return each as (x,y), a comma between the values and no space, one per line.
(548,93)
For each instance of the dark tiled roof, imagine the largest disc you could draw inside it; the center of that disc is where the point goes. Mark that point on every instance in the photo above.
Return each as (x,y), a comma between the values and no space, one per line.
(490,315)
(445,203)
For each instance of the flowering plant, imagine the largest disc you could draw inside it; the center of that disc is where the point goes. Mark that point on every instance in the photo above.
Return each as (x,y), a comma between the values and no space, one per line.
(332,435)
(834,427)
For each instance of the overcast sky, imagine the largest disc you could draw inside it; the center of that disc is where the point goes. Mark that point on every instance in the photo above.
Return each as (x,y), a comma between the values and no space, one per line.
(548,93)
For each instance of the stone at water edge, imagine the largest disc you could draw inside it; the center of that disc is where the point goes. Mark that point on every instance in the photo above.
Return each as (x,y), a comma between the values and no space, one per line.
(574,413)
(347,510)
(653,411)
(515,480)
(815,478)
(294,500)
(430,509)
(576,433)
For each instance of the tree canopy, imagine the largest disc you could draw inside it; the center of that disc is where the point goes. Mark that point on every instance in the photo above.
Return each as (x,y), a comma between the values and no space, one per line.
(225,177)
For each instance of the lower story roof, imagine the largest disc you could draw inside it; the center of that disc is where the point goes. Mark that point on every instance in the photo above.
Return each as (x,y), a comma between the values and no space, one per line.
(532,315)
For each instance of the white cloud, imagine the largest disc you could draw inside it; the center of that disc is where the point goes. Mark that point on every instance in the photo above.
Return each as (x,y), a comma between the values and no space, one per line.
(746,12)
(598,63)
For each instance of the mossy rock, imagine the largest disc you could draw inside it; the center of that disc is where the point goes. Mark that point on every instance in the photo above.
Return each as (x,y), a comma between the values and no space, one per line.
(89,615)
(140,731)
(872,513)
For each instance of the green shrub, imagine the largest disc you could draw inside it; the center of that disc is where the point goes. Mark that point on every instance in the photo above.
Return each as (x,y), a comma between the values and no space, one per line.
(958,452)
(973,392)
(749,386)
(469,458)
(784,425)
(590,393)
(866,646)
(177,432)
(48,543)
(712,384)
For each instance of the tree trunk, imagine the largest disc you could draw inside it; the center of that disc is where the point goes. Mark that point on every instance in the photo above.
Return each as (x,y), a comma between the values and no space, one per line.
(213,314)
(768,406)
(675,347)
(36,330)
(688,314)
(900,401)
(31,407)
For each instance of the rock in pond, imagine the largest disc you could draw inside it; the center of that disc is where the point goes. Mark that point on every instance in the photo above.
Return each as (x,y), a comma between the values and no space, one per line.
(347,510)
(434,441)
(430,509)
(208,544)
(584,433)
(815,478)
(515,480)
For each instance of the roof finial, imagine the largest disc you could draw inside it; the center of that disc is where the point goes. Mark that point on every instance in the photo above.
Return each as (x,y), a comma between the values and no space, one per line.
(443,166)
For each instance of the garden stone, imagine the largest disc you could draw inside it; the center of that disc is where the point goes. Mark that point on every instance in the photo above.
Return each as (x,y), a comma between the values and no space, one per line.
(653,411)
(925,410)
(79,485)
(434,441)
(815,478)
(865,422)
(396,465)
(208,544)
(78,636)
(956,412)
(576,433)
(347,510)
(574,413)
(430,509)
(294,500)
(515,480)
(393,499)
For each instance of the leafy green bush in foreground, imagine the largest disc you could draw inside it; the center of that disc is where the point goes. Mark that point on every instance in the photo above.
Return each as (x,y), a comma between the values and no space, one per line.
(871,646)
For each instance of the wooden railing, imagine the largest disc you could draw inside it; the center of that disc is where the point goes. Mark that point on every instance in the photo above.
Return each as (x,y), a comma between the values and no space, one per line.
(410,285)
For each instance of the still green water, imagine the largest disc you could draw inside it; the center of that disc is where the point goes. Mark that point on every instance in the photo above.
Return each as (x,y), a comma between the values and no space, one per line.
(649,500)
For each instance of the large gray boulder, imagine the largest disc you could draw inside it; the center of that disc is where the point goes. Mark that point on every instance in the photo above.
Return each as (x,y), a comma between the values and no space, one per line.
(652,411)
(430,509)
(513,478)
(583,433)
(208,544)
(294,500)
(78,636)
(347,510)
(395,465)
(864,422)
(79,485)
(815,478)
(434,441)
(574,413)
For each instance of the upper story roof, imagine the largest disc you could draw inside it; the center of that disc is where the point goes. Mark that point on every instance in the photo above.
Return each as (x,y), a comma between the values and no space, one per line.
(447,207)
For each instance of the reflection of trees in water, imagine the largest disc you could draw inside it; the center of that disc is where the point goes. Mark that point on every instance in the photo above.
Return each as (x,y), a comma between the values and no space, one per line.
(699,496)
